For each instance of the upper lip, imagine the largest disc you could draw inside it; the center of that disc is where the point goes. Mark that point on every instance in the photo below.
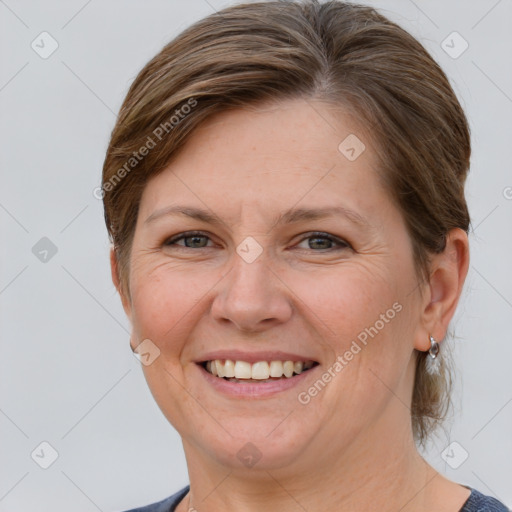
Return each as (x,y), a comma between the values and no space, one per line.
(253,357)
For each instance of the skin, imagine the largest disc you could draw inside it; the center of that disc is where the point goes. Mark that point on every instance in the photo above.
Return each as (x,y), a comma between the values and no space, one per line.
(351,447)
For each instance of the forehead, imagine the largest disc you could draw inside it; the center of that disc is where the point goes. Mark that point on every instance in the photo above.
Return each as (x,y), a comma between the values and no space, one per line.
(294,131)
(271,156)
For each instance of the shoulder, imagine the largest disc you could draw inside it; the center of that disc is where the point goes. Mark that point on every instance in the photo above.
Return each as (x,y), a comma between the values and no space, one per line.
(166,505)
(478,502)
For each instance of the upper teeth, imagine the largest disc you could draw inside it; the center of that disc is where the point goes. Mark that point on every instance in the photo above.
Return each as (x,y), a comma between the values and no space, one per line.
(260,370)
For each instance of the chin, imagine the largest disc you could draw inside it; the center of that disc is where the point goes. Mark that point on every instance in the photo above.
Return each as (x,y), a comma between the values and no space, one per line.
(257,444)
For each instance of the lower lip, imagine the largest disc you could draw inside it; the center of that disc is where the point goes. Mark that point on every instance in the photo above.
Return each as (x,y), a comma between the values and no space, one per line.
(253,389)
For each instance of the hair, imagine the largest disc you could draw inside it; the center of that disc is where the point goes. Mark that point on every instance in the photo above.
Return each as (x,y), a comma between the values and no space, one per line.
(337,52)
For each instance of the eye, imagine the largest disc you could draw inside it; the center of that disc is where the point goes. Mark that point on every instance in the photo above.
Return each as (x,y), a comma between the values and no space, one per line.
(191,240)
(318,241)
(325,241)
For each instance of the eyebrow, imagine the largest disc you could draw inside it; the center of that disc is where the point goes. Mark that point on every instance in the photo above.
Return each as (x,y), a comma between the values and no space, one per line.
(292,215)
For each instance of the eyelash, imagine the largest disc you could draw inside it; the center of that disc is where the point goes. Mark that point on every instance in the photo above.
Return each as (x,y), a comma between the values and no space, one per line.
(342,244)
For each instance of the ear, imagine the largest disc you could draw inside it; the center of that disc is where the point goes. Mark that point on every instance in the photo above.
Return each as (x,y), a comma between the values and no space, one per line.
(441,294)
(114,269)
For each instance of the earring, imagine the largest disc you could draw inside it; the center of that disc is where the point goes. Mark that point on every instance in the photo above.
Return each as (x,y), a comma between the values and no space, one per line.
(432,362)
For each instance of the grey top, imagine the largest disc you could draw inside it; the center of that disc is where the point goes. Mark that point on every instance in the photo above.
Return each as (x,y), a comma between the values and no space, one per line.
(476,502)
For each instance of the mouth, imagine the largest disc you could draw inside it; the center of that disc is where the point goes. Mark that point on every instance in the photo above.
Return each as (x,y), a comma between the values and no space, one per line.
(258,372)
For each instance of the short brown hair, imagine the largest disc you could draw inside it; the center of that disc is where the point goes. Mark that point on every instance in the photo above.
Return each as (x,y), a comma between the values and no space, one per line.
(338,52)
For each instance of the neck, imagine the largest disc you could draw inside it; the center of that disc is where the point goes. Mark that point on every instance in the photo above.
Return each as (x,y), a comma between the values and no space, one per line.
(367,475)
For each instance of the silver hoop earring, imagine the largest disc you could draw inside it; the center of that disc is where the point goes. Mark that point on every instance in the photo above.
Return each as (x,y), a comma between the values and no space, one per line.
(432,362)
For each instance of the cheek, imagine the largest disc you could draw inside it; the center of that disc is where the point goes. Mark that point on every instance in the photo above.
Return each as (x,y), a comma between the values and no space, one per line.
(169,301)
(160,304)
(166,306)
(363,314)
(345,301)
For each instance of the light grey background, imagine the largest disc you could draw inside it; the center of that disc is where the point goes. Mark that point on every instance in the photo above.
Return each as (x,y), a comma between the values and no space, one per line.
(68,375)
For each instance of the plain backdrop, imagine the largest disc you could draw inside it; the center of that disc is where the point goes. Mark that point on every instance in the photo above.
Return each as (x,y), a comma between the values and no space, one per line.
(68,376)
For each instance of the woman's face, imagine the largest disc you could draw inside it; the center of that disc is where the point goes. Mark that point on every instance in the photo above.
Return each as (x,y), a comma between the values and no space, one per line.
(287,248)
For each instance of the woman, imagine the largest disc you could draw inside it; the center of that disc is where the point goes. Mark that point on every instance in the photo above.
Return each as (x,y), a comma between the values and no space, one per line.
(284,190)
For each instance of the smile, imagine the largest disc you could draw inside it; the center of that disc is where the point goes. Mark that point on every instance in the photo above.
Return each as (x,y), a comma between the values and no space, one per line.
(260,371)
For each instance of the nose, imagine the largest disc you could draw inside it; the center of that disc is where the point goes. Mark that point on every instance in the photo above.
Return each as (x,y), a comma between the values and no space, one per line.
(252,297)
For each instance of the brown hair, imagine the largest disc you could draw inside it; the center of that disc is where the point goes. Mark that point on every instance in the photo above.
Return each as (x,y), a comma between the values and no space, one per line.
(341,53)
